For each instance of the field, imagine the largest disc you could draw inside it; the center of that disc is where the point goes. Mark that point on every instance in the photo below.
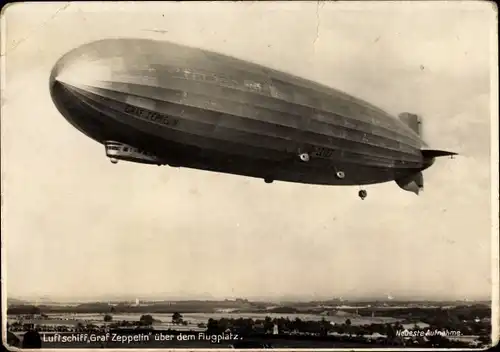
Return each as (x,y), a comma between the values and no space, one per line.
(348,327)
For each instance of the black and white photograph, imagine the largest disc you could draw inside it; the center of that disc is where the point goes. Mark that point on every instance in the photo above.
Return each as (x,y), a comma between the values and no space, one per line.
(249,175)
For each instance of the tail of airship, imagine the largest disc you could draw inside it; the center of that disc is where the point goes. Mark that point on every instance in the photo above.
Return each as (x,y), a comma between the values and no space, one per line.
(413,121)
(415,183)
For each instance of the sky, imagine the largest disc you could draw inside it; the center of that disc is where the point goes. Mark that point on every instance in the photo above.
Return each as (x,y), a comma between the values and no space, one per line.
(76,226)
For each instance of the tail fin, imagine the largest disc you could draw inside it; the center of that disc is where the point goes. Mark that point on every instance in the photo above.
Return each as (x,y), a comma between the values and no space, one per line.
(430,156)
(433,153)
(413,121)
(413,183)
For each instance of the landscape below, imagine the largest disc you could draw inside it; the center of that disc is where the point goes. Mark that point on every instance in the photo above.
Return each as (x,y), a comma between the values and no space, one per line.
(193,323)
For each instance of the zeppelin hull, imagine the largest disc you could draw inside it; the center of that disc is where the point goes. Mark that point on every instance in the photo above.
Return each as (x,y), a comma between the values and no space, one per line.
(204,110)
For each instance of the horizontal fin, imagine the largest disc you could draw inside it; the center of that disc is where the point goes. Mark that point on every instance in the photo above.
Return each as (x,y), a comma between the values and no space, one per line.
(433,153)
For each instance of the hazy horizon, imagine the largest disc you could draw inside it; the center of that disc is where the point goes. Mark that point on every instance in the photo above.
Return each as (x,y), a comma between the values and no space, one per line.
(74,225)
(116,298)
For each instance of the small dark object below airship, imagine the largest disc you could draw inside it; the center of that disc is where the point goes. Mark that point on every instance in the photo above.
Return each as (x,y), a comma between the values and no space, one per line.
(161,103)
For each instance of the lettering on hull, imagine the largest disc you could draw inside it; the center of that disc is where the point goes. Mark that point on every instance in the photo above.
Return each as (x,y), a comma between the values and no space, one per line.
(321,152)
(152,116)
(327,153)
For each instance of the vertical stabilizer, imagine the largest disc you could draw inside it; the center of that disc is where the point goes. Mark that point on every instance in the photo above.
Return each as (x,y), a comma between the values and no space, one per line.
(413,121)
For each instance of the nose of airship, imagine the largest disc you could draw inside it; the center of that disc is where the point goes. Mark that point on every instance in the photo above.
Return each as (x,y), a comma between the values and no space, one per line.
(59,92)
(72,84)
(77,73)
(73,72)
(55,85)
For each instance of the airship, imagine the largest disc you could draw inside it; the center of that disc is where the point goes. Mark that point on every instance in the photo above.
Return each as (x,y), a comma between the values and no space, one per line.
(161,103)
